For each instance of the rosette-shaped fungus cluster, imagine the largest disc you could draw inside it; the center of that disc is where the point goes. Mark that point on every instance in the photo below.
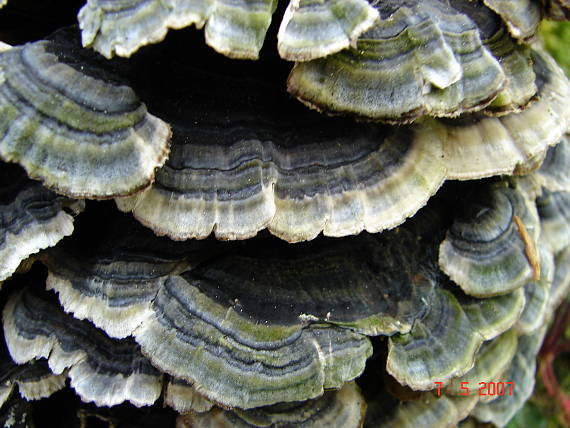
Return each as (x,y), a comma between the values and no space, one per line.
(361,238)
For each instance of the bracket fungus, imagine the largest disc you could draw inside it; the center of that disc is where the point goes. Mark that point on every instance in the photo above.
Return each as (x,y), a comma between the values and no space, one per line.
(425,192)
(444,342)
(275,165)
(343,408)
(554,209)
(31,218)
(537,296)
(101,370)
(484,250)
(420,58)
(234,28)
(311,29)
(73,125)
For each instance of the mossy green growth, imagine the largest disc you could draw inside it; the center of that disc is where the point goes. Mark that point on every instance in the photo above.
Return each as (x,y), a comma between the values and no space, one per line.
(556,36)
(529,415)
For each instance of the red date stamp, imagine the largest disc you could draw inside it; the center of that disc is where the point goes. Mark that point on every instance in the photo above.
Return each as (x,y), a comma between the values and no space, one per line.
(485,388)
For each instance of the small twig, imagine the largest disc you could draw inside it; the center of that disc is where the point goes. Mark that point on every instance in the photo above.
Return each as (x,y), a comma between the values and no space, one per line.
(529,248)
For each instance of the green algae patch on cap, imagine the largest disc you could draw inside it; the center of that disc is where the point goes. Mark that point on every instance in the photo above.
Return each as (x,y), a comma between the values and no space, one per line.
(419,58)
(73,125)
(234,28)
(313,29)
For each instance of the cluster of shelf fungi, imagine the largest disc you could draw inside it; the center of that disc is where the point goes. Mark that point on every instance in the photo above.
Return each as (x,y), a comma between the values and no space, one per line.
(183,242)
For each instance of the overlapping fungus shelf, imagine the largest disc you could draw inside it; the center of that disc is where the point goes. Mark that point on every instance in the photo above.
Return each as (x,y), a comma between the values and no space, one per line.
(342,233)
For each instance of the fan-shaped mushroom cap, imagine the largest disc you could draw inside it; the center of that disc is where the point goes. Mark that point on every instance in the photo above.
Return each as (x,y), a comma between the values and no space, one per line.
(492,360)
(339,181)
(229,370)
(113,282)
(31,218)
(491,244)
(34,380)
(521,373)
(554,211)
(423,57)
(298,174)
(537,296)
(274,164)
(343,408)
(313,29)
(234,28)
(101,370)
(442,344)
(202,325)
(367,283)
(477,147)
(73,125)
(522,17)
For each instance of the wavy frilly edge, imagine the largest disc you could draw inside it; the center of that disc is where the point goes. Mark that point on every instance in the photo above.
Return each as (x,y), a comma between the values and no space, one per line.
(32,218)
(234,28)
(343,408)
(297,193)
(491,246)
(81,131)
(419,58)
(311,30)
